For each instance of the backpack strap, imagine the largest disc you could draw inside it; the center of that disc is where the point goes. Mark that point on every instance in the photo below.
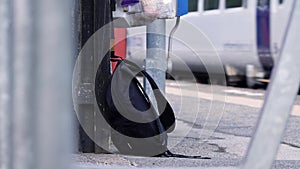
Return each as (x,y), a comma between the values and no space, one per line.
(168,154)
(167,116)
(114,58)
(148,77)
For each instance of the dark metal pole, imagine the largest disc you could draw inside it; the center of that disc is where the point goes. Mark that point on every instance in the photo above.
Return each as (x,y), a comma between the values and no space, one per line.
(102,17)
(95,14)
(86,106)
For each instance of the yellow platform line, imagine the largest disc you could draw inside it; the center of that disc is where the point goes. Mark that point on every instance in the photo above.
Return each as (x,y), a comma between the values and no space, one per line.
(256,103)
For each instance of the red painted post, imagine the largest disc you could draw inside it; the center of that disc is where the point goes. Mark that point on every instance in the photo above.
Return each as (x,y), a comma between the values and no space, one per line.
(119,44)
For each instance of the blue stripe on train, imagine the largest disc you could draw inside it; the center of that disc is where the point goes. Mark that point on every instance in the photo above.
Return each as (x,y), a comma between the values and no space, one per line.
(263,34)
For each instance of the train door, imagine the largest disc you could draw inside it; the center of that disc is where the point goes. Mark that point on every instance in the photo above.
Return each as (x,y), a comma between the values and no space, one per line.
(263,33)
(280,15)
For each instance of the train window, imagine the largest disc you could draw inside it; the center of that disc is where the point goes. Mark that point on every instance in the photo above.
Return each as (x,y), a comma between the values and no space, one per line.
(263,3)
(281,1)
(193,5)
(234,3)
(211,4)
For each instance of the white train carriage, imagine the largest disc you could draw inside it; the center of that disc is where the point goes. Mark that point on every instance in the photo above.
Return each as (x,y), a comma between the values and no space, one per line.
(246,34)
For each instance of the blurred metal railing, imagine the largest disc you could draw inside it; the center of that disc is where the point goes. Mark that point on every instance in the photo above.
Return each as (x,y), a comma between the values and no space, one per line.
(279,100)
(5,84)
(35,78)
(23,82)
(52,83)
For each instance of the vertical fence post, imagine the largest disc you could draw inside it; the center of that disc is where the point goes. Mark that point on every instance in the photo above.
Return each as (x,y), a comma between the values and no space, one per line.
(5,83)
(279,99)
(23,62)
(41,84)
(52,83)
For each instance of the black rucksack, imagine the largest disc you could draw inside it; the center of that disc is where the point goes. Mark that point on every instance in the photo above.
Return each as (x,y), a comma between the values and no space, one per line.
(137,128)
